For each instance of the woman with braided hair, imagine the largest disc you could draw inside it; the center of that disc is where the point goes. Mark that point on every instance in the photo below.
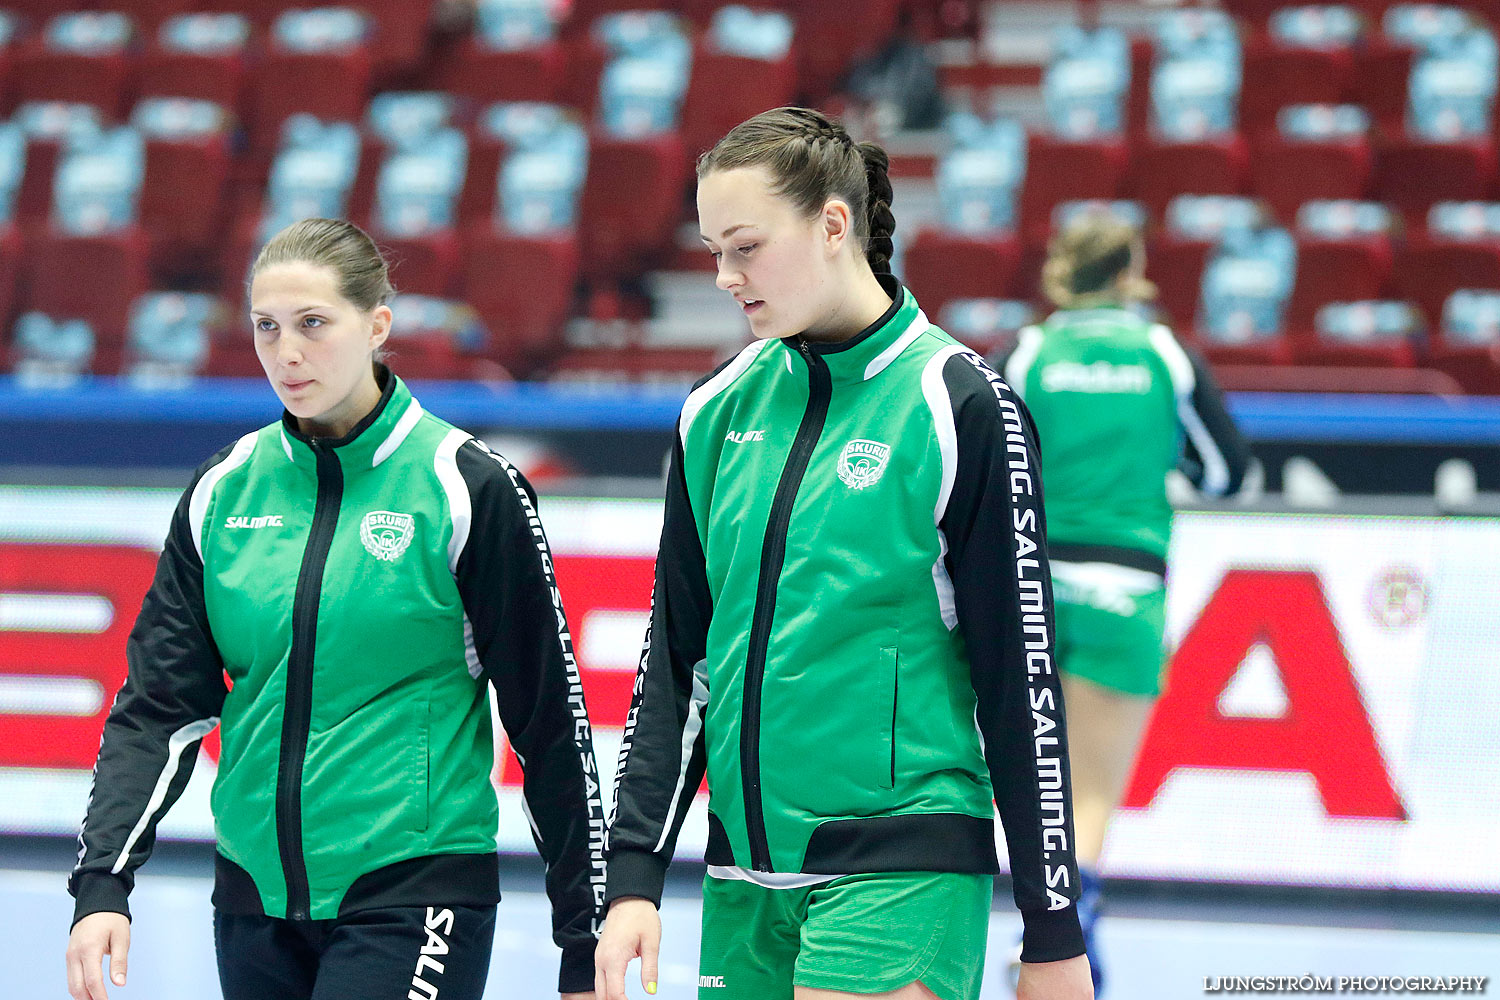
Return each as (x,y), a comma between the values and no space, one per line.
(851,628)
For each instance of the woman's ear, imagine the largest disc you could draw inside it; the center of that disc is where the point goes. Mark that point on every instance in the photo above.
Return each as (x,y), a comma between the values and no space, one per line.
(381,328)
(837,225)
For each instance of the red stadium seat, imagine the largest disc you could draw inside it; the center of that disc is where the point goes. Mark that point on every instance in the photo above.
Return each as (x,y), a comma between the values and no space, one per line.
(1476,367)
(522,287)
(182,202)
(1285,173)
(34,200)
(726,89)
(1269,350)
(1427,272)
(946,266)
(115,266)
(585,64)
(487,76)
(422,265)
(1411,175)
(1058,170)
(1162,170)
(45,75)
(1381,72)
(1275,76)
(217,78)
(476,202)
(147,14)
(625,235)
(401,33)
(1175,266)
(335,86)
(830,42)
(10,269)
(635,364)
(1336,271)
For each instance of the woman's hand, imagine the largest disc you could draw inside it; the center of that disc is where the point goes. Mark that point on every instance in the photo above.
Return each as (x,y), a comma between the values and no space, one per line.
(632,929)
(1065,980)
(93,937)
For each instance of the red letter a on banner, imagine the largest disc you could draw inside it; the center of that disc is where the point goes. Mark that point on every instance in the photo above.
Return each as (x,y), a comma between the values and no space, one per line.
(1324,730)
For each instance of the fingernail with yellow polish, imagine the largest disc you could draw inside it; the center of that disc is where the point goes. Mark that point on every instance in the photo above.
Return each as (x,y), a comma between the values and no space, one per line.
(651,988)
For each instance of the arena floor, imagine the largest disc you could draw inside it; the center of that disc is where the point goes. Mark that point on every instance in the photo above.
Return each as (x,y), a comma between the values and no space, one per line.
(1159,945)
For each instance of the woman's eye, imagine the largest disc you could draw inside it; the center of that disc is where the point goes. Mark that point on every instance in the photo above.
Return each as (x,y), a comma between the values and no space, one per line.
(312,321)
(265,326)
(745,250)
(715,254)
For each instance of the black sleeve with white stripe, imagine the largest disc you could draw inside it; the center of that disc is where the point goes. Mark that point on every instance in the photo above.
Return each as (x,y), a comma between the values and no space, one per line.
(505,577)
(1002,584)
(662,755)
(1215,459)
(172,696)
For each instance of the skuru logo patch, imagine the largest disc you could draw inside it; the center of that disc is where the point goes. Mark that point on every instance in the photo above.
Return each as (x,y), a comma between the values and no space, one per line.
(863,463)
(386,534)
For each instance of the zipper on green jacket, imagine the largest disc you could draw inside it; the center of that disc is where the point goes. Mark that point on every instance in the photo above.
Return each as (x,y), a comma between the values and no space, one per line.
(297,717)
(772,558)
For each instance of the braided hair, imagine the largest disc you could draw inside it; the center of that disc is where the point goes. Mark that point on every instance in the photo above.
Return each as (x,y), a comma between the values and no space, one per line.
(813,158)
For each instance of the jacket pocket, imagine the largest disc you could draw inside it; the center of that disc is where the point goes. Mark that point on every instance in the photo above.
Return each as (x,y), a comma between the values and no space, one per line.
(422,794)
(887,680)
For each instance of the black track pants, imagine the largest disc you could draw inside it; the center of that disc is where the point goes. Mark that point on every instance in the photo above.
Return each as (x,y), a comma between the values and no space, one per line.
(398,953)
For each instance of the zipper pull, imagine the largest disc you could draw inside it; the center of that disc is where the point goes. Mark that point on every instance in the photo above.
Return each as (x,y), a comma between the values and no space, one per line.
(802,346)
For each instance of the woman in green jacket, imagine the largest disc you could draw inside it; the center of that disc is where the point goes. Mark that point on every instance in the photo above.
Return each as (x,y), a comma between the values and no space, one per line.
(337,592)
(851,628)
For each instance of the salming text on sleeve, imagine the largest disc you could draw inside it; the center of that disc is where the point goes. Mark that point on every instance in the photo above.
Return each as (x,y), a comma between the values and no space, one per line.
(171,699)
(523,646)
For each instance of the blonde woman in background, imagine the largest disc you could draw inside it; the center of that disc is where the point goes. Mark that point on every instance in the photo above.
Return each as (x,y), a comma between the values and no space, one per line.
(1118,404)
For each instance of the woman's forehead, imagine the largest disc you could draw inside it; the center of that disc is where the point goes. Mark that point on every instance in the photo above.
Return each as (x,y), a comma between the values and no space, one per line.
(295,281)
(744,195)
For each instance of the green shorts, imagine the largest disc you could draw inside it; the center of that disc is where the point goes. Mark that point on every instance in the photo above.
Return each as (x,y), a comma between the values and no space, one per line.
(1111,635)
(856,933)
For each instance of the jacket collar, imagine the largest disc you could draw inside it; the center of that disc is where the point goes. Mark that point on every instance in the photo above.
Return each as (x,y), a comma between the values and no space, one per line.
(372,440)
(871,351)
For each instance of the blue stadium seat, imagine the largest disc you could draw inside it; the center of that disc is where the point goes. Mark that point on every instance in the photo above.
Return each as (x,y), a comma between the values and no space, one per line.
(539,190)
(1316,27)
(1465,221)
(405,119)
(1344,219)
(1367,333)
(98,184)
(88,33)
(12,169)
(1195,84)
(205,34)
(1472,317)
(52,350)
(179,118)
(168,334)
(1452,87)
(312,174)
(1322,122)
(321,29)
(739,31)
(986,325)
(1420,25)
(977,191)
(514,25)
(1209,218)
(1086,83)
(1246,286)
(418,186)
(1467,343)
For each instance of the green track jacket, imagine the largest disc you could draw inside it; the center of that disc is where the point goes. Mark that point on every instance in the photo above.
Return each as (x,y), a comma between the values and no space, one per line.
(852,628)
(338,609)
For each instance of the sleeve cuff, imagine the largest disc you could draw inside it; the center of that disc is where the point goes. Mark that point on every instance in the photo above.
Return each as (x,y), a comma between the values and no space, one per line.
(1051,935)
(576,975)
(635,873)
(100,892)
